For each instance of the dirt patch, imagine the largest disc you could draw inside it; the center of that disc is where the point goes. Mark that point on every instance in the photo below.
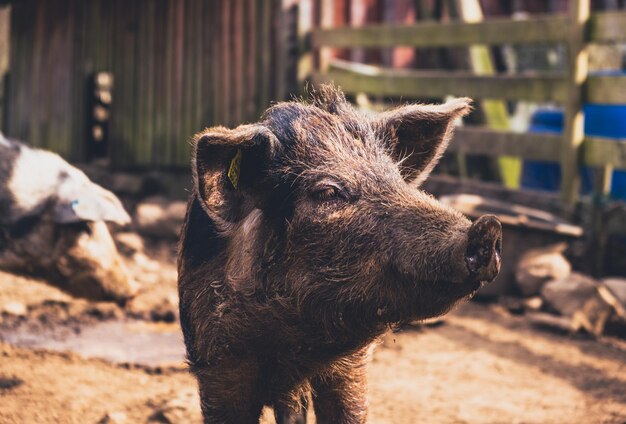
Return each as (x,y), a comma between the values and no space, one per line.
(65,360)
(65,388)
(134,342)
(480,366)
(483,367)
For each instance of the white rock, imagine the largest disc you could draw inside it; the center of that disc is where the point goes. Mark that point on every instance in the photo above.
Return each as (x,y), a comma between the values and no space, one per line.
(114,418)
(617,286)
(14,308)
(128,242)
(569,295)
(537,266)
(160,217)
(183,408)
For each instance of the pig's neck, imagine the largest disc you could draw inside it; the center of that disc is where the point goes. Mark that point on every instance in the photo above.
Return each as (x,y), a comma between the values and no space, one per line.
(256,273)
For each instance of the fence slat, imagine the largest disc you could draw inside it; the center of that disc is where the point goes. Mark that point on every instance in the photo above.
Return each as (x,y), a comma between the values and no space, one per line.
(357,78)
(607,26)
(599,151)
(596,151)
(493,143)
(545,29)
(606,89)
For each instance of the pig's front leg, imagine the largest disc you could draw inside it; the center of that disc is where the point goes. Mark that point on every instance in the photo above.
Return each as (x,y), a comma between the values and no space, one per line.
(284,414)
(340,396)
(228,393)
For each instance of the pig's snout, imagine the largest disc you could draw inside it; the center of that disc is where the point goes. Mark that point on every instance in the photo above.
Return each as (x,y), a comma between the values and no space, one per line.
(484,245)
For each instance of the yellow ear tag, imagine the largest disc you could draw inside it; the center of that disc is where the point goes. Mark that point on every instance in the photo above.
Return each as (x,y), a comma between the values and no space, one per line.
(235,167)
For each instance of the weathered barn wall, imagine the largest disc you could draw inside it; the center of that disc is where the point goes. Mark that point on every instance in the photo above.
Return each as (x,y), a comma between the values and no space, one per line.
(43,93)
(178,66)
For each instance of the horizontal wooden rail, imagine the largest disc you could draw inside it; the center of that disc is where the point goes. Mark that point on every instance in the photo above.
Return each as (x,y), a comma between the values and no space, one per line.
(357,78)
(599,151)
(603,27)
(607,27)
(544,29)
(596,151)
(484,141)
(606,89)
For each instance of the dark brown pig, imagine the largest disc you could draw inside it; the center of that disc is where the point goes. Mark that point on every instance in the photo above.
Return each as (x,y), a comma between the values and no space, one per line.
(306,238)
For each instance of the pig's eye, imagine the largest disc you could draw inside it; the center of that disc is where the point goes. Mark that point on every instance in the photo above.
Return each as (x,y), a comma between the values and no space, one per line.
(328,190)
(326,193)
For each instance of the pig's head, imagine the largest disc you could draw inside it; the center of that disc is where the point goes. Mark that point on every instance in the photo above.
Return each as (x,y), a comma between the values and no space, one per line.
(321,204)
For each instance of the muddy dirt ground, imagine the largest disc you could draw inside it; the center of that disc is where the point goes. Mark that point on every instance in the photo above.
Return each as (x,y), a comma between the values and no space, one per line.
(66,360)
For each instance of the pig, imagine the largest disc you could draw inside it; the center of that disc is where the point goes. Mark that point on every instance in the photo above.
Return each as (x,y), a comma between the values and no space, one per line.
(306,238)
(52,224)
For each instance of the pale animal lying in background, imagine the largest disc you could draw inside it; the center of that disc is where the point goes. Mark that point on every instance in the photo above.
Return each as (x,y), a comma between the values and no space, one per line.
(52,224)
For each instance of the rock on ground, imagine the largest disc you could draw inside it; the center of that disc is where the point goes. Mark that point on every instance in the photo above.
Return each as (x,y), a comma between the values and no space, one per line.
(580,299)
(14,308)
(160,217)
(617,286)
(569,295)
(114,418)
(537,266)
(183,407)
(129,243)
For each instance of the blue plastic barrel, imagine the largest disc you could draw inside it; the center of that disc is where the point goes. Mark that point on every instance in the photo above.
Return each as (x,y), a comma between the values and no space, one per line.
(600,120)
(609,121)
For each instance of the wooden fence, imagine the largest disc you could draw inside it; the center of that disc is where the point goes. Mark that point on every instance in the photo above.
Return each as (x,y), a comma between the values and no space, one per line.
(570,88)
(181,65)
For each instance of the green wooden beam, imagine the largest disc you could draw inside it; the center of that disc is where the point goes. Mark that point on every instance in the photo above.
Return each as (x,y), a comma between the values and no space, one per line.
(596,151)
(606,89)
(607,27)
(493,143)
(543,29)
(599,151)
(603,27)
(359,78)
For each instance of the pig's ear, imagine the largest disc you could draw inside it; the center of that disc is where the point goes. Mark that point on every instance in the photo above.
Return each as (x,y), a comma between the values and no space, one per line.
(419,134)
(78,201)
(228,168)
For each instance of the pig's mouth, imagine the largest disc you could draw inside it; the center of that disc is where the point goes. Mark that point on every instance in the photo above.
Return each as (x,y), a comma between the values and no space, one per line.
(430,298)
(467,289)
(473,287)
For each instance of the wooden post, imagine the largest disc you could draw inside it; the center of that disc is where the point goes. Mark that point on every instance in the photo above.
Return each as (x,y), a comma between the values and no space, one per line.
(399,12)
(4,58)
(573,134)
(305,54)
(326,21)
(496,114)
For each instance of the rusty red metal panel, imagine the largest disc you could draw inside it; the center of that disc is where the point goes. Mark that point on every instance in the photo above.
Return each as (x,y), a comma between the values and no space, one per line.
(399,12)
(363,12)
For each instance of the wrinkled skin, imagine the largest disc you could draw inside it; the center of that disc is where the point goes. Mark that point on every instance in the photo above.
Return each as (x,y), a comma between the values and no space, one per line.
(287,279)
(52,224)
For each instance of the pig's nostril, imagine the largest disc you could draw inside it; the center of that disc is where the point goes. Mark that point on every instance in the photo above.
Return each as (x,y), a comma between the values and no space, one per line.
(484,246)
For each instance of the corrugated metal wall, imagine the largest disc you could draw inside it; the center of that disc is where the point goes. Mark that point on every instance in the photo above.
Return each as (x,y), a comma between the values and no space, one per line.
(178,66)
